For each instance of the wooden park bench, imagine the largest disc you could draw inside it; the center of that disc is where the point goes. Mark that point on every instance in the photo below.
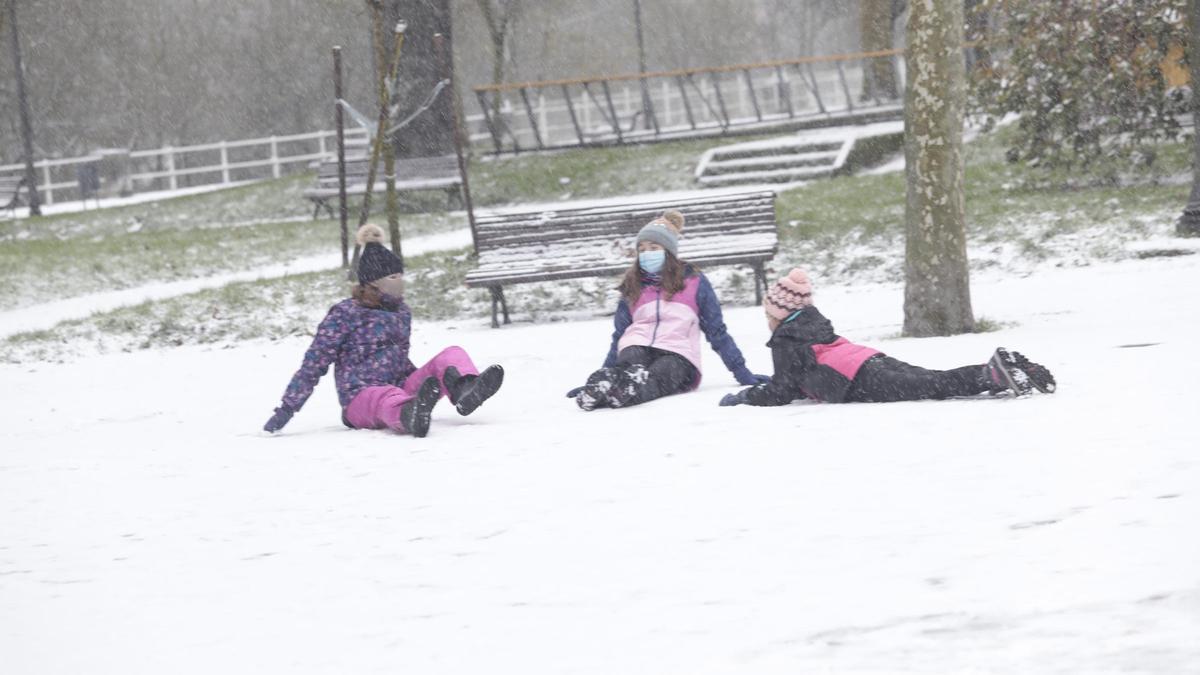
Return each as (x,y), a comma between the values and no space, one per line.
(526,246)
(420,173)
(10,192)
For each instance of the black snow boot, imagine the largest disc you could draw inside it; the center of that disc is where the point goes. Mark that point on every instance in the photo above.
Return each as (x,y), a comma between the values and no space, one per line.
(594,393)
(1002,374)
(468,392)
(628,385)
(415,415)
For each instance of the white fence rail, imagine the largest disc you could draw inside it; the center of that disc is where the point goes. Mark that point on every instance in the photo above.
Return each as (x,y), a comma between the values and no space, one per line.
(172,168)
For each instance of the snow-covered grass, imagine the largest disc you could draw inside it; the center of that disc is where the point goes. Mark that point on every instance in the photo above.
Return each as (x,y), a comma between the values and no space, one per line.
(590,173)
(75,254)
(270,223)
(149,527)
(847,230)
(1018,219)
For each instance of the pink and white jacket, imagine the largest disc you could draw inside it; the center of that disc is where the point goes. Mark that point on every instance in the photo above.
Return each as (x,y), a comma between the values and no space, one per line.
(674,324)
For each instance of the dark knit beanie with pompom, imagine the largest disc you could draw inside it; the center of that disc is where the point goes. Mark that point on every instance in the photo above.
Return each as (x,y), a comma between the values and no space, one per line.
(376,261)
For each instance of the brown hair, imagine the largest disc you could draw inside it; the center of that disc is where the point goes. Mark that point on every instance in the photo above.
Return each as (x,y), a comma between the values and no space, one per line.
(367,295)
(674,272)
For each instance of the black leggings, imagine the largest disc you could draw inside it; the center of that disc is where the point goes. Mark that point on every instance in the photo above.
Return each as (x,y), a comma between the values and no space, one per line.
(666,373)
(883,379)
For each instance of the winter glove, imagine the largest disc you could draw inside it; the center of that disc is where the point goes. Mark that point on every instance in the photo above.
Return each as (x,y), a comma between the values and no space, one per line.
(734,399)
(746,378)
(574,392)
(281,417)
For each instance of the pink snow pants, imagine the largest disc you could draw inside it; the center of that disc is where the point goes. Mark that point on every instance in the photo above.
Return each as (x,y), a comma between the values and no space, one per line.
(379,407)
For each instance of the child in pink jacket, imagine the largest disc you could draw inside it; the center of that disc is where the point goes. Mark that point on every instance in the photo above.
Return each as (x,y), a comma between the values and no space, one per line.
(811,361)
(665,306)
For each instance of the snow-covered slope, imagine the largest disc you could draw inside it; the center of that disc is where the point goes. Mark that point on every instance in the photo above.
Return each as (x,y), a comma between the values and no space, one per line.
(149,527)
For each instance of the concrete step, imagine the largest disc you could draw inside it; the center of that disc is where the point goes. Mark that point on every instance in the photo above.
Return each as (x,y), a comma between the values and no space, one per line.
(771,162)
(771,176)
(785,147)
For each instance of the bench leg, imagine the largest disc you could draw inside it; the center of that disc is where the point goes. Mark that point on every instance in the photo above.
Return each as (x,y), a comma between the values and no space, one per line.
(316,209)
(760,282)
(498,302)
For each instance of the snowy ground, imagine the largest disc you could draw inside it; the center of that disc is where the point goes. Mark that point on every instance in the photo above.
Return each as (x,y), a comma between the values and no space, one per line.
(149,527)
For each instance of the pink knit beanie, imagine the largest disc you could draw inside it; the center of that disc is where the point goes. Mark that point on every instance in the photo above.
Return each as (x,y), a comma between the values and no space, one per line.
(789,294)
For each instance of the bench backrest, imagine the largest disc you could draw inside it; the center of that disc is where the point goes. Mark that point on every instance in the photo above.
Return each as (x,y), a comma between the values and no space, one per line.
(10,184)
(10,189)
(445,166)
(600,240)
(704,216)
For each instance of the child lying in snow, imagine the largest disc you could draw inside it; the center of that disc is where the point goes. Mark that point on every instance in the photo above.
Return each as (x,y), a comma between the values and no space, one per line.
(665,305)
(366,338)
(811,361)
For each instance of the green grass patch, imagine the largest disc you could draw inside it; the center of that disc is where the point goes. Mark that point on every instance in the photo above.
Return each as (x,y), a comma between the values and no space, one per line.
(591,172)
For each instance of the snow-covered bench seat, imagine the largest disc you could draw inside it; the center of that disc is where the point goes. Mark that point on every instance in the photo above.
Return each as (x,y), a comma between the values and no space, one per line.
(419,173)
(598,240)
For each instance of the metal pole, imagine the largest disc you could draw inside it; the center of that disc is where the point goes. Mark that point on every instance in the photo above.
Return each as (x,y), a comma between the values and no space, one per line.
(537,135)
(845,87)
(35,203)
(785,90)
(491,124)
(340,124)
(439,41)
(647,107)
(815,86)
(720,99)
(687,106)
(616,122)
(753,96)
(571,109)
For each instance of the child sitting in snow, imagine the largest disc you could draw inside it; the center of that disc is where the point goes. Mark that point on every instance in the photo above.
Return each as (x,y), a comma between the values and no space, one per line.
(366,338)
(811,361)
(665,305)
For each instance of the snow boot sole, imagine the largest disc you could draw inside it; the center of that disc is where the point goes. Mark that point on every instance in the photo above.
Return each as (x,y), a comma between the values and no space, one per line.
(1039,376)
(416,414)
(1004,364)
(480,389)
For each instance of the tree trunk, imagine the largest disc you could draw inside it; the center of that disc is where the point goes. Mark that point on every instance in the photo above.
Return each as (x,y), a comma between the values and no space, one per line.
(875,23)
(431,133)
(1189,222)
(937,294)
(31,185)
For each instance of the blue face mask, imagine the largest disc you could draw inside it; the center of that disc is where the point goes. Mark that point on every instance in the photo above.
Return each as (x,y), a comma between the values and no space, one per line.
(652,261)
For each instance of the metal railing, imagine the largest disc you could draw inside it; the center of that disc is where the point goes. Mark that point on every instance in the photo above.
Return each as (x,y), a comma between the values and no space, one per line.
(677,104)
(172,168)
